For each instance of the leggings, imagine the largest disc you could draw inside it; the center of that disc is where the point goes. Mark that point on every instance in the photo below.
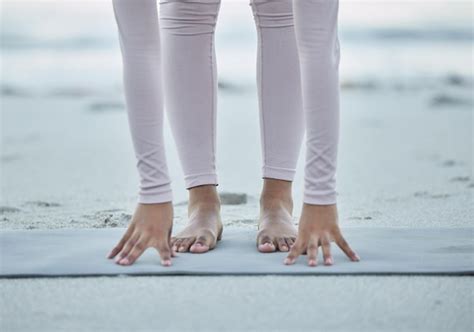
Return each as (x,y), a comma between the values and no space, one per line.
(298,89)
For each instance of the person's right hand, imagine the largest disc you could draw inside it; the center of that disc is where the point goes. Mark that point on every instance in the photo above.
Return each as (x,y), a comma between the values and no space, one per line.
(151,226)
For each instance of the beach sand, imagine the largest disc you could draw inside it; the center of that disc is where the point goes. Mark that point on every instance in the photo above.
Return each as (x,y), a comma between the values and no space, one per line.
(405,160)
(403,163)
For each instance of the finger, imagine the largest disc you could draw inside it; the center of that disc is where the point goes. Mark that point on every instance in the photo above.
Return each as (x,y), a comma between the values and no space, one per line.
(127,247)
(164,251)
(137,250)
(312,252)
(121,243)
(295,251)
(342,243)
(173,253)
(326,248)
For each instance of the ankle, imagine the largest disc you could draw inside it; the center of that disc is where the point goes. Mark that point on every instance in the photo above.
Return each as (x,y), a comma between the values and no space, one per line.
(276,193)
(204,196)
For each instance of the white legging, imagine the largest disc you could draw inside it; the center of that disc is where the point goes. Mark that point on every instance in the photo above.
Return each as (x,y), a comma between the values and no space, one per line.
(290,102)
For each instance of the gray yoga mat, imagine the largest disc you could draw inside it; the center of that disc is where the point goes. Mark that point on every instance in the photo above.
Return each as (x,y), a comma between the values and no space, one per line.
(81,252)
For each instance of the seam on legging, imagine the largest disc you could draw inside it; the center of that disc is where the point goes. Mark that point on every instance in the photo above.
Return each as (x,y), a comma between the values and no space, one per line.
(262,117)
(213,63)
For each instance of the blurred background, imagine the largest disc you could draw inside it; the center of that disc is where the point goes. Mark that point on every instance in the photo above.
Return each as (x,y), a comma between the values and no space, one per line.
(406,112)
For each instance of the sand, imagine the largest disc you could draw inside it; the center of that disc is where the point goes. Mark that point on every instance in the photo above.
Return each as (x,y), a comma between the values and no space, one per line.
(402,163)
(405,160)
(239,304)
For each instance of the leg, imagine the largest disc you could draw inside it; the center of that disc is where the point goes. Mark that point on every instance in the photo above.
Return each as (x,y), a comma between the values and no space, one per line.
(318,46)
(281,119)
(140,44)
(190,88)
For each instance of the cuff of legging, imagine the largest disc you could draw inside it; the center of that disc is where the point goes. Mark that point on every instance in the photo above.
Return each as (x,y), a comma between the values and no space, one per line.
(195,180)
(163,195)
(278,173)
(320,199)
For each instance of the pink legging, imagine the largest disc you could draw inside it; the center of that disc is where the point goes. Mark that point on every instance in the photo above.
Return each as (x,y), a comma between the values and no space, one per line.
(298,89)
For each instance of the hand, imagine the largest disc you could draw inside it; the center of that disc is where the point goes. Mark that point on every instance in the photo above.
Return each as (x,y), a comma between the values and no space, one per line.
(318,227)
(150,227)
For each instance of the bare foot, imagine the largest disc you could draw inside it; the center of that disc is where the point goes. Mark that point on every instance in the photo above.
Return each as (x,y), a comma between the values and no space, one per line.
(276,229)
(318,227)
(150,227)
(204,227)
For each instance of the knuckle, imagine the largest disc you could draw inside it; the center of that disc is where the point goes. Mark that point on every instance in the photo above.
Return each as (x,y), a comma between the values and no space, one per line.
(342,242)
(164,249)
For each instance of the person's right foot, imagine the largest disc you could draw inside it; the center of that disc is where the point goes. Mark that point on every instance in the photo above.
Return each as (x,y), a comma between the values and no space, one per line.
(204,227)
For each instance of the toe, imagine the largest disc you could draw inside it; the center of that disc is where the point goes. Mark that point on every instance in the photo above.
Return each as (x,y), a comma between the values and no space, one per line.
(281,242)
(202,244)
(176,244)
(266,247)
(265,244)
(172,241)
(199,248)
(290,242)
(185,244)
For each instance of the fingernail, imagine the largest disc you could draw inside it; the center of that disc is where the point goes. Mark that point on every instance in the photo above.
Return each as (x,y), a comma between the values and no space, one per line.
(357,257)
(284,248)
(124,261)
(287,261)
(328,261)
(166,262)
(312,262)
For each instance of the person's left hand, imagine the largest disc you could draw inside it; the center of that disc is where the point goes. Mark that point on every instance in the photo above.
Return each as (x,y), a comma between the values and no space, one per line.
(318,226)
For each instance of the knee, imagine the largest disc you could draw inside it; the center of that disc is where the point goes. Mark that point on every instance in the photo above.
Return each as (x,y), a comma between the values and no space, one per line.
(189,17)
(273,13)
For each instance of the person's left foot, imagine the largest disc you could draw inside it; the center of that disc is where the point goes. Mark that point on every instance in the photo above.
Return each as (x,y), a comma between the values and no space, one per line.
(204,227)
(276,229)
